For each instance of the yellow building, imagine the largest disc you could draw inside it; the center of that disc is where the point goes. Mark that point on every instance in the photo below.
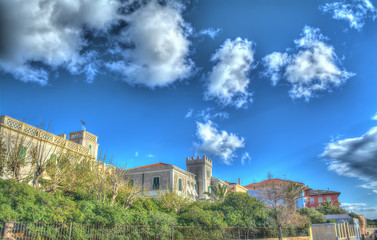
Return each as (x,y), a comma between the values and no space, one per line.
(14,132)
(234,187)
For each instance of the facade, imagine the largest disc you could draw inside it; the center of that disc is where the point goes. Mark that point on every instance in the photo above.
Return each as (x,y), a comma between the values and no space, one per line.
(162,177)
(364,228)
(254,189)
(14,132)
(234,187)
(313,198)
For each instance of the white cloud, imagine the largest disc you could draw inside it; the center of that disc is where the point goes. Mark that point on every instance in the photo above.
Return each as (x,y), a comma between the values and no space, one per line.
(374,117)
(189,113)
(219,143)
(37,36)
(313,69)
(356,12)
(355,157)
(157,56)
(136,154)
(210,32)
(228,81)
(275,62)
(207,114)
(361,209)
(150,155)
(245,157)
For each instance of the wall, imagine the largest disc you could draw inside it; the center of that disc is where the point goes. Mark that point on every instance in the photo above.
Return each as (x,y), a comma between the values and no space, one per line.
(324,231)
(334,200)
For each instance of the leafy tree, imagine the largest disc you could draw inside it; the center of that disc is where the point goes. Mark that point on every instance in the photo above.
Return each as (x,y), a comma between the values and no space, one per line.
(172,200)
(218,193)
(314,216)
(328,208)
(196,216)
(243,210)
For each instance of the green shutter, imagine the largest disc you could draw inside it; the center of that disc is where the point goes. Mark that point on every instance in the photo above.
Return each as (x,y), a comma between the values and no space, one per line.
(180,184)
(156,183)
(22,153)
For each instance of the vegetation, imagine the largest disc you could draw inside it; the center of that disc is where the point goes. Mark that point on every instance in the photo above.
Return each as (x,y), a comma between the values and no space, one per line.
(60,187)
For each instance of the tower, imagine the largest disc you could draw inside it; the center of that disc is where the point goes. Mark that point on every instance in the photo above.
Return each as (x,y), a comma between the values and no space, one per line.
(87,140)
(202,168)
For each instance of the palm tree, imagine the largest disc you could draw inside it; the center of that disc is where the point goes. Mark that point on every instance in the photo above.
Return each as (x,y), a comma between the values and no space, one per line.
(218,193)
(292,193)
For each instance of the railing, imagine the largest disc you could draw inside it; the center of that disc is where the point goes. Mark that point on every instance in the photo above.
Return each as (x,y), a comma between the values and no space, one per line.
(345,230)
(43,135)
(73,231)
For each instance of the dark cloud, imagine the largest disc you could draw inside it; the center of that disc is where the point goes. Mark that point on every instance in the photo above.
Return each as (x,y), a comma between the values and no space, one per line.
(355,157)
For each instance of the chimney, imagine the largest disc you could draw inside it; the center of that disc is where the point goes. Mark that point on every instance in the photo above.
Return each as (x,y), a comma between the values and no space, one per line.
(239,181)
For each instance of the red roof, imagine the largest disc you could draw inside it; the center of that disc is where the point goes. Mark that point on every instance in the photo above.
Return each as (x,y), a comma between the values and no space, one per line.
(269,182)
(150,166)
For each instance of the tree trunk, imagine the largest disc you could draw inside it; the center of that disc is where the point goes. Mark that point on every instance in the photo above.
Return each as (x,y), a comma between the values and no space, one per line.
(7,232)
(113,198)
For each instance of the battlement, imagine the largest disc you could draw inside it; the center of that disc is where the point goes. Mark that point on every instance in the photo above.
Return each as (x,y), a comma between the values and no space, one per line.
(198,161)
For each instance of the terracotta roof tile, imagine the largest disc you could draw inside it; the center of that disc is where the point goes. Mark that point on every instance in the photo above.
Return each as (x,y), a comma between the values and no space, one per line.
(151,166)
(269,182)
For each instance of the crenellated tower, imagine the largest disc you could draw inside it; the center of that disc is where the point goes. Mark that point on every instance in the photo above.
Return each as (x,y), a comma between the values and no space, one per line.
(202,168)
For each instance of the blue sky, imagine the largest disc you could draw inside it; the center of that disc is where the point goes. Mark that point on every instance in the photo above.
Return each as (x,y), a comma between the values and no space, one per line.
(259,86)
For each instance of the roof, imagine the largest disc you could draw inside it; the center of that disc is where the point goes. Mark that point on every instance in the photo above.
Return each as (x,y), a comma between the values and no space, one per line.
(269,182)
(321,192)
(150,166)
(338,216)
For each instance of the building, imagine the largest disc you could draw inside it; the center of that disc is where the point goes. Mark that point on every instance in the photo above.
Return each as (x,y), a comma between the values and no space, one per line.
(315,197)
(363,229)
(26,137)
(234,187)
(256,189)
(162,177)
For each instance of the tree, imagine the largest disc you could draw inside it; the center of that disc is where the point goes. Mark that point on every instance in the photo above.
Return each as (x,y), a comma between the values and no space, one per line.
(59,170)
(41,153)
(292,192)
(172,201)
(117,177)
(243,210)
(329,208)
(218,193)
(15,155)
(314,216)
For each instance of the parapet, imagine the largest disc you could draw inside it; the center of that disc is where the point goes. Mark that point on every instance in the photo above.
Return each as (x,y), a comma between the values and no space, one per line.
(198,161)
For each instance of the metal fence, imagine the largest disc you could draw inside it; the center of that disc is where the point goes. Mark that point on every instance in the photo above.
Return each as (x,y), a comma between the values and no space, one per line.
(78,231)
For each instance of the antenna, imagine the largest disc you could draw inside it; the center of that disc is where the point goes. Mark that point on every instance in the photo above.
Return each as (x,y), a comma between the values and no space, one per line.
(83,125)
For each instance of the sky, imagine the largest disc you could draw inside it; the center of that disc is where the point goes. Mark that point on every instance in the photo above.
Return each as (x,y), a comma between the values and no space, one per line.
(286,87)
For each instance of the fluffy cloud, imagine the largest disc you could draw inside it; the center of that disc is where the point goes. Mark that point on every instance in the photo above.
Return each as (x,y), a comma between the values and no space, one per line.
(361,208)
(219,143)
(355,157)
(228,81)
(245,157)
(374,117)
(313,69)
(207,114)
(355,12)
(157,50)
(39,35)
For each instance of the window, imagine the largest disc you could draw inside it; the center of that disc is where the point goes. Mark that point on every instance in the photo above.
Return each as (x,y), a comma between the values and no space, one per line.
(180,184)
(22,153)
(311,200)
(329,199)
(320,199)
(156,183)
(208,174)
